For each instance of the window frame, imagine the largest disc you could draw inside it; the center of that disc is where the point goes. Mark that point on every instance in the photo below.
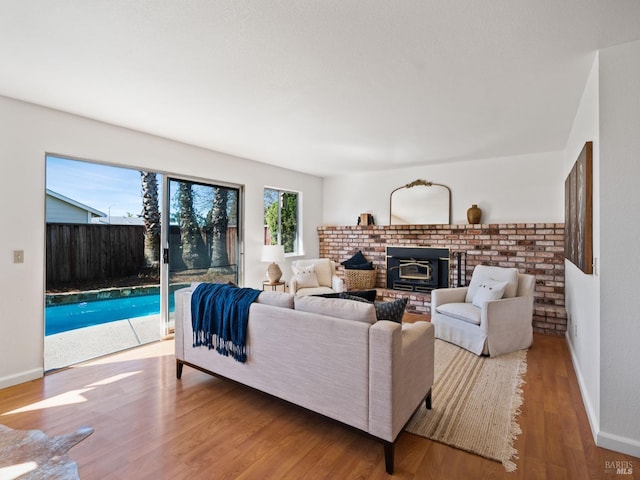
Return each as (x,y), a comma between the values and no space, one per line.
(281,192)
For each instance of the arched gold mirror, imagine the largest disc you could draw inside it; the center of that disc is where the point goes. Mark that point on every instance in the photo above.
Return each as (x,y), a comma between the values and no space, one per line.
(420,203)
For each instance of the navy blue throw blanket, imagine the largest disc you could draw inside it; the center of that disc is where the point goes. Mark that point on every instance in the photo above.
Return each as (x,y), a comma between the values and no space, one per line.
(219,317)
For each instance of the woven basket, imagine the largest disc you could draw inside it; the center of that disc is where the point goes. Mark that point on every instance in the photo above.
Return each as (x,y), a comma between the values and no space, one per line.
(360,279)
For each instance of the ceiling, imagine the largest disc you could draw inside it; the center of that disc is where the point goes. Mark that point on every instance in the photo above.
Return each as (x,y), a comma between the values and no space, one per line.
(321,86)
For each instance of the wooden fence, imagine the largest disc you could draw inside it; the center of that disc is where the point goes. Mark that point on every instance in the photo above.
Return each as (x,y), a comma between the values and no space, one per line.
(88,252)
(84,252)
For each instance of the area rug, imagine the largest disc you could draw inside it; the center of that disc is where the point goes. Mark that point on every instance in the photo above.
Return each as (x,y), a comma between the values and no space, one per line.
(476,402)
(31,455)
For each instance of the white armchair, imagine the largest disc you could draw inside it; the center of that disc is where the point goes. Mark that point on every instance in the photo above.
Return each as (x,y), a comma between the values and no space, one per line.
(314,276)
(492,316)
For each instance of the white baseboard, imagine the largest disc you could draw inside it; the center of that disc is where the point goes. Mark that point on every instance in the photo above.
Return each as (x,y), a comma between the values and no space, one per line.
(628,446)
(21,377)
(586,400)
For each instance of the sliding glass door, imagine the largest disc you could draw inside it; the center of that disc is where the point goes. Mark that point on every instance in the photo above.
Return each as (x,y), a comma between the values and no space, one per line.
(201,236)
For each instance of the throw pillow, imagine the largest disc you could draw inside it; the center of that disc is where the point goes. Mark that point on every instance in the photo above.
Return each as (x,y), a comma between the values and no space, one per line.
(392,311)
(489,290)
(369,295)
(355,298)
(500,274)
(360,266)
(305,277)
(327,295)
(357,259)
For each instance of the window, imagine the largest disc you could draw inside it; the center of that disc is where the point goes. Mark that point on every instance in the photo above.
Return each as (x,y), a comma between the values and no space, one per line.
(281,219)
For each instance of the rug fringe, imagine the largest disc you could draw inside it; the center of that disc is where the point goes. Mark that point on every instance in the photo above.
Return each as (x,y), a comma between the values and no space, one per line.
(516,411)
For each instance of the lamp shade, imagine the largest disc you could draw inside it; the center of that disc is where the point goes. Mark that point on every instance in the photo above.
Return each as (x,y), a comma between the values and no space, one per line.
(273,253)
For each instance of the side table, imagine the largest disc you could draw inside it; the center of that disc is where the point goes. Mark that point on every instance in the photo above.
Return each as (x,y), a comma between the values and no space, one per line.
(274,286)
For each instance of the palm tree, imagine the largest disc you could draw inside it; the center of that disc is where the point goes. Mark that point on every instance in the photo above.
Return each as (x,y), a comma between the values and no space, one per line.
(216,227)
(194,252)
(151,218)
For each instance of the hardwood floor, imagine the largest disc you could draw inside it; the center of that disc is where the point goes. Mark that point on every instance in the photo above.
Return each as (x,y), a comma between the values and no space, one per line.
(149,425)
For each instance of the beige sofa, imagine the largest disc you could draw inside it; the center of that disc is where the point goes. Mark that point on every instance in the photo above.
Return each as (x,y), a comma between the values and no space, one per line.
(367,374)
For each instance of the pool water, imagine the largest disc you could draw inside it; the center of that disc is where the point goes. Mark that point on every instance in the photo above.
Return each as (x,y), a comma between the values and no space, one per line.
(62,318)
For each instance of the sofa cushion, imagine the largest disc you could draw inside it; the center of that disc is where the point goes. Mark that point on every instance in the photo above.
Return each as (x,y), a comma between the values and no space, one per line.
(305,276)
(467,312)
(487,291)
(335,307)
(392,311)
(484,272)
(317,291)
(276,299)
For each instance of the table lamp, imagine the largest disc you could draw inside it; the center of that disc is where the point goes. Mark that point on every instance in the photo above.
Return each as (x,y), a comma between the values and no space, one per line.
(273,254)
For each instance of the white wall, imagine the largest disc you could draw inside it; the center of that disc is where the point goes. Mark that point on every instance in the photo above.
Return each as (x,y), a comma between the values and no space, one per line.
(619,253)
(582,292)
(524,188)
(27,132)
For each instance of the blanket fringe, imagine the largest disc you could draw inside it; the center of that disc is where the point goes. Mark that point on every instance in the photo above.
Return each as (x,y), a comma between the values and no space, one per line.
(226,348)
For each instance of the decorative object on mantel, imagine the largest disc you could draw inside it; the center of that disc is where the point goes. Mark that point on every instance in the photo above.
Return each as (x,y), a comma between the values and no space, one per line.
(474,214)
(31,455)
(366,219)
(578,213)
(273,254)
(420,203)
(469,412)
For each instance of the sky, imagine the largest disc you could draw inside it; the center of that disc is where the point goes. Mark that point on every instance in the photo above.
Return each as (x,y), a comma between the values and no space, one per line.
(111,190)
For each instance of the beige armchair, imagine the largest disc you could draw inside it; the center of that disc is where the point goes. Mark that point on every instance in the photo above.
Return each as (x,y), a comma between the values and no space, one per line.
(492,316)
(314,276)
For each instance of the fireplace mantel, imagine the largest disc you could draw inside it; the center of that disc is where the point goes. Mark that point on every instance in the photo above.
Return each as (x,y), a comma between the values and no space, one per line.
(535,248)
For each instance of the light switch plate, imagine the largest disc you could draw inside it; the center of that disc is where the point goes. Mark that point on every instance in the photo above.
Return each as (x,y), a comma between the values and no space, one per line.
(18,256)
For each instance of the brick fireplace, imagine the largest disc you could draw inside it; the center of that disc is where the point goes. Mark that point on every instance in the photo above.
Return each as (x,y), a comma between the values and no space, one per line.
(535,248)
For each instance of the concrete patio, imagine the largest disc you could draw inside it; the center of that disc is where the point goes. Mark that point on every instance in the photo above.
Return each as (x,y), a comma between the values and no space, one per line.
(76,346)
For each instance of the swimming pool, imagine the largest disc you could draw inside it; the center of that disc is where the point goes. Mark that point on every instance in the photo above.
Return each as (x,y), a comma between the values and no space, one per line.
(62,318)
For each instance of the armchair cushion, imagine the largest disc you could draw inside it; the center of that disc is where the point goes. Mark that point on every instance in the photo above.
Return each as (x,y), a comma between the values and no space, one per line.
(467,312)
(322,268)
(487,291)
(305,276)
(482,273)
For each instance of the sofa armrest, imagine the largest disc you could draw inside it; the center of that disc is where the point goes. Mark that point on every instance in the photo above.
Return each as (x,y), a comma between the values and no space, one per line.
(182,314)
(337,284)
(401,372)
(440,296)
(508,324)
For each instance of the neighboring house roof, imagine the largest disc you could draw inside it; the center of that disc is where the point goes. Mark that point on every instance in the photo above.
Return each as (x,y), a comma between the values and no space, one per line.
(92,211)
(61,209)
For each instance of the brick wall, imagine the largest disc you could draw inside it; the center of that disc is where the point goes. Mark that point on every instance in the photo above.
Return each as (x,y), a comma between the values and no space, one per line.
(535,248)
